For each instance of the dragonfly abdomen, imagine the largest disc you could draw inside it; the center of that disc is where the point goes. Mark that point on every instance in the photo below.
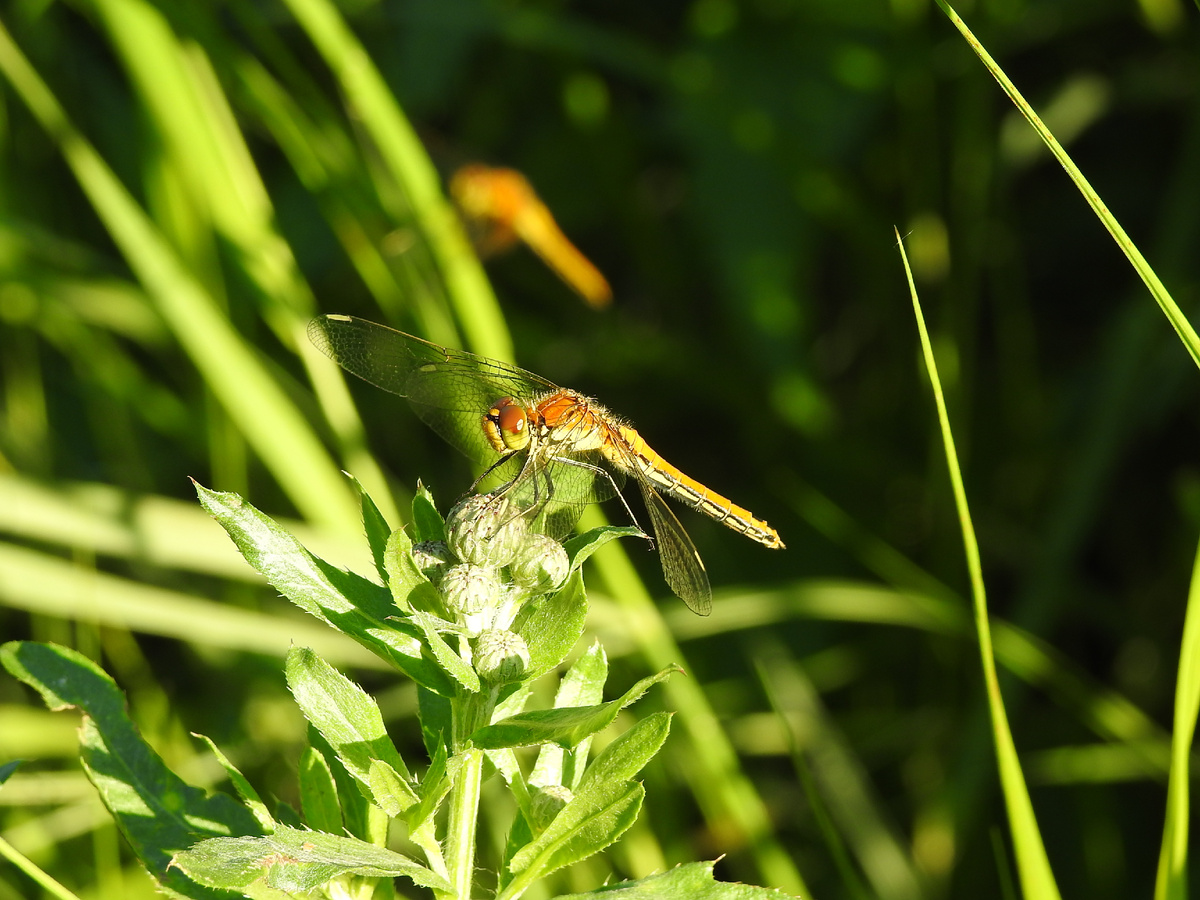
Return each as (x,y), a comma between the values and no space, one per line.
(675,484)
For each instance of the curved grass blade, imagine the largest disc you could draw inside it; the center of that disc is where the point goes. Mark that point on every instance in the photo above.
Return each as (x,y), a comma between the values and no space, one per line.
(1037,878)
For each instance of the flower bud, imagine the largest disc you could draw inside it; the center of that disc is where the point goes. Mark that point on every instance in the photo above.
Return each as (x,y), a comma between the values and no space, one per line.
(547,802)
(541,564)
(433,558)
(468,590)
(484,529)
(501,657)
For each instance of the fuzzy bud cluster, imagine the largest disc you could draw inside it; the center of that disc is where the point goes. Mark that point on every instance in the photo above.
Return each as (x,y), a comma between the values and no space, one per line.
(491,564)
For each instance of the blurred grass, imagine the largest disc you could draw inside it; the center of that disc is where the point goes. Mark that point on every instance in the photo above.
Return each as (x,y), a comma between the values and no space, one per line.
(228,170)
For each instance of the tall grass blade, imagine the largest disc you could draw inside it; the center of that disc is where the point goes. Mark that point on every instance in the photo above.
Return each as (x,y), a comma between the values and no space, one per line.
(1187,334)
(1171,882)
(1033,866)
(401,151)
(248,393)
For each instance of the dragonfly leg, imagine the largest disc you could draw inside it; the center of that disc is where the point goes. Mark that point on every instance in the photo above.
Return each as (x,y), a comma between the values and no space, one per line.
(600,470)
(492,468)
(531,511)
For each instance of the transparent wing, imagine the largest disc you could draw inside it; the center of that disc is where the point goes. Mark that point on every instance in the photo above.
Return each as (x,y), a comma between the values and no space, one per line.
(449,389)
(553,490)
(682,566)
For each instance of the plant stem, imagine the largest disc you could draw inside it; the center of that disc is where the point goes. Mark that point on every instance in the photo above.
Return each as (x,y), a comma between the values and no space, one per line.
(461,826)
(22,862)
(469,712)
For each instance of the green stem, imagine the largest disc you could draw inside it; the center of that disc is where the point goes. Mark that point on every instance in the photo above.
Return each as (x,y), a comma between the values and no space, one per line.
(469,713)
(22,862)
(461,827)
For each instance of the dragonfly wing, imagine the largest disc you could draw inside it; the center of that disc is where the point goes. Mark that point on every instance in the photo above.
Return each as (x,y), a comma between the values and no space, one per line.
(555,489)
(682,566)
(449,389)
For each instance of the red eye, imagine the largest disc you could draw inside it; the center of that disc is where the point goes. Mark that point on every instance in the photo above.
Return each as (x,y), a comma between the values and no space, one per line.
(511,420)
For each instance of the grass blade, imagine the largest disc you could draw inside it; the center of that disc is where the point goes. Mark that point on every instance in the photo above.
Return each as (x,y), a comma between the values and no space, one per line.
(250,395)
(401,151)
(1171,882)
(1174,315)
(1033,866)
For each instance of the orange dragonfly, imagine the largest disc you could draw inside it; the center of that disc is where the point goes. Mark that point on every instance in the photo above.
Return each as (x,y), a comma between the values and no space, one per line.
(555,449)
(503,205)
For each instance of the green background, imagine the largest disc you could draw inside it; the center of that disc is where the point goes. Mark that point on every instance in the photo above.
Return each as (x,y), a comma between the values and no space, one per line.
(736,170)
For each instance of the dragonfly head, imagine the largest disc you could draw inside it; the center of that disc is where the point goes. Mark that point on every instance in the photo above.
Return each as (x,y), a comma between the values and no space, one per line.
(506,426)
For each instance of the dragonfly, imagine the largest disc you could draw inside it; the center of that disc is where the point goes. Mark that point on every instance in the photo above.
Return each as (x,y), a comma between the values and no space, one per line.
(553,449)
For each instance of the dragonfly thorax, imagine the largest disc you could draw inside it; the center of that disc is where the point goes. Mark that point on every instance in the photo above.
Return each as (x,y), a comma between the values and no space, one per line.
(506,426)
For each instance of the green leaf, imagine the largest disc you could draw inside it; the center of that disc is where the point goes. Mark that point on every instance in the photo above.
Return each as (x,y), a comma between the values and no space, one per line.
(342,599)
(349,719)
(297,860)
(436,718)
(692,881)
(428,524)
(318,792)
(580,547)
(357,809)
(391,792)
(286,814)
(554,627)
(157,812)
(596,815)
(8,769)
(244,788)
(629,753)
(583,685)
(565,727)
(446,656)
(408,585)
(374,524)
(1172,877)
(585,826)
(432,790)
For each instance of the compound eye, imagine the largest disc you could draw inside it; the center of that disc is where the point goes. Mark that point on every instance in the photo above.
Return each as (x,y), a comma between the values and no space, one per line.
(513,424)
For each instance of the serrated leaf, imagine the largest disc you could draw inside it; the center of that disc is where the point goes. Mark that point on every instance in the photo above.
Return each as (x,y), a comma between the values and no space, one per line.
(297,860)
(342,599)
(157,812)
(433,788)
(580,827)
(690,881)
(357,809)
(391,793)
(628,754)
(446,656)
(582,685)
(318,792)
(428,524)
(554,627)
(245,790)
(349,719)
(580,547)
(375,526)
(409,587)
(585,826)
(565,727)
(286,814)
